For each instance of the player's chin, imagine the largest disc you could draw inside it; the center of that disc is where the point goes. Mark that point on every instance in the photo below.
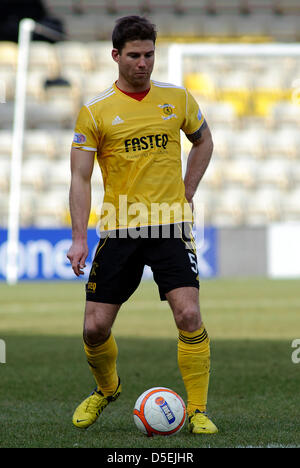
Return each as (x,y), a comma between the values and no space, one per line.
(141,78)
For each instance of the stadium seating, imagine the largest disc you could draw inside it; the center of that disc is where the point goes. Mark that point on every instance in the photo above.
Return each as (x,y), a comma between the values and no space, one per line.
(6,115)
(241,172)
(39,143)
(295,172)
(283,142)
(51,207)
(275,173)
(4,173)
(223,138)
(264,206)
(291,205)
(29,197)
(8,81)
(43,57)
(35,173)
(6,143)
(219,113)
(285,112)
(8,56)
(73,55)
(248,141)
(91,86)
(230,207)
(214,176)
(4,201)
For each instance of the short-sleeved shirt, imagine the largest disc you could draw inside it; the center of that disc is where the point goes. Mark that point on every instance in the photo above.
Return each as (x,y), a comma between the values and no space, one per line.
(139,152)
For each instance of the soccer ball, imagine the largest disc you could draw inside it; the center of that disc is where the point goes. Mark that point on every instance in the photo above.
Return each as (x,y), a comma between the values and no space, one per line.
(159,411)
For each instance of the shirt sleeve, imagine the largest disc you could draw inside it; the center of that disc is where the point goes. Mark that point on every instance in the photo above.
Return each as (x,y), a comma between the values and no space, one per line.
(85,135)
(193,116)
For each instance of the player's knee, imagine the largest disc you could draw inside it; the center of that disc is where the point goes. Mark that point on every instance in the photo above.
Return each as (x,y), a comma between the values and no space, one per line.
(188,318)
(95,333)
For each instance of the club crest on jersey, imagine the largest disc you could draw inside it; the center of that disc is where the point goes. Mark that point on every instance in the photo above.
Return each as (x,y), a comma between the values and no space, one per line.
(168,112)
(79,138)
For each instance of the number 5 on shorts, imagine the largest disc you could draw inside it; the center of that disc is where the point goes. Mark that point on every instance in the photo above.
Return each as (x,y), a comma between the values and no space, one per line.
(193,261)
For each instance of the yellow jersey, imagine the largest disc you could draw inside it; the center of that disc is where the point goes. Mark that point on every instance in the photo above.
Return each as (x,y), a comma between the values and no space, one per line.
(139,153)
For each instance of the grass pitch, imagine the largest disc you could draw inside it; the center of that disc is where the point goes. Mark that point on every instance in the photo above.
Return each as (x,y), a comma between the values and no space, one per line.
(254,386)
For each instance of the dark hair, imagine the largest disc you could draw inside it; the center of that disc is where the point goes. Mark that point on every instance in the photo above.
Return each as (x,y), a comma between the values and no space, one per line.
(132,28)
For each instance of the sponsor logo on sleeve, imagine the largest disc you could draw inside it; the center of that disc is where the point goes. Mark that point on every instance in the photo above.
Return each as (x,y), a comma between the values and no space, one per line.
(79,138)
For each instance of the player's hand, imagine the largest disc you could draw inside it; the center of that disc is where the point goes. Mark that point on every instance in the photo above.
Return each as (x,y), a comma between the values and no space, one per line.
(77,255)
(191,203)
(189,198)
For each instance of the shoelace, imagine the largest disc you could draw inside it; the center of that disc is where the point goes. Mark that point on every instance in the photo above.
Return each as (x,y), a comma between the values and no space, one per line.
(93,403)
(199,415)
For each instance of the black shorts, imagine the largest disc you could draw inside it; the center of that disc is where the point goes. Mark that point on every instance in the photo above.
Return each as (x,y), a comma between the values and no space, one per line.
(119,263)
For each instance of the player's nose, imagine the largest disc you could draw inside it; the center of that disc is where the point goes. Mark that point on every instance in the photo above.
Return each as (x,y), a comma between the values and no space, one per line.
(142,62)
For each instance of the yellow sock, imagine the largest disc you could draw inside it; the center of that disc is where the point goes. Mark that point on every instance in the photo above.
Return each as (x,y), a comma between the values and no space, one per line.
(194,365)
(102,360)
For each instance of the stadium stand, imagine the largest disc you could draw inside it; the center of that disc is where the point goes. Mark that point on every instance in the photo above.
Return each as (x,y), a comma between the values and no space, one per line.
(252,106)
(291,205)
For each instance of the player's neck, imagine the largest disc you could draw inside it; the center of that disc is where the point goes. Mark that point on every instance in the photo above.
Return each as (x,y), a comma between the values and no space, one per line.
(128,88)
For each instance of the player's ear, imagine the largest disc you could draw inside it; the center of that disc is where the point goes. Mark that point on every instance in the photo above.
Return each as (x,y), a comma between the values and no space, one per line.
(115,55)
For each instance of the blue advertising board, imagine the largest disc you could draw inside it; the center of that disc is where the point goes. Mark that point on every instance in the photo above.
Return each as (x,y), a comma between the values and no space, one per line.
(207,251)
(42,254)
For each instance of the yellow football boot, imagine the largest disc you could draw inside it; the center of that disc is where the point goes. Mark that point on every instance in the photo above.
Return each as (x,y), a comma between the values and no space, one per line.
(90,409)
(199,423)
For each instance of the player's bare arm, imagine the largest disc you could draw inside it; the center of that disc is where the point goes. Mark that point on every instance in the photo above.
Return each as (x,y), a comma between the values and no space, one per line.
(82,163)
(198,159)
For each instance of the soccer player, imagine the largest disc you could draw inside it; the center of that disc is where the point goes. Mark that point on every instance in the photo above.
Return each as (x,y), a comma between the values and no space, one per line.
(134,127)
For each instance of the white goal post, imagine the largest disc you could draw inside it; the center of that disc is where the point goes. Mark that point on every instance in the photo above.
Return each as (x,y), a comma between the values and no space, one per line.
(178,51)
(25,30)
(26,27)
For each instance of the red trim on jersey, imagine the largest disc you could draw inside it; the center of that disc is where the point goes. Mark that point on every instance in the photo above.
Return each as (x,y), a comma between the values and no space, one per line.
(137,96)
